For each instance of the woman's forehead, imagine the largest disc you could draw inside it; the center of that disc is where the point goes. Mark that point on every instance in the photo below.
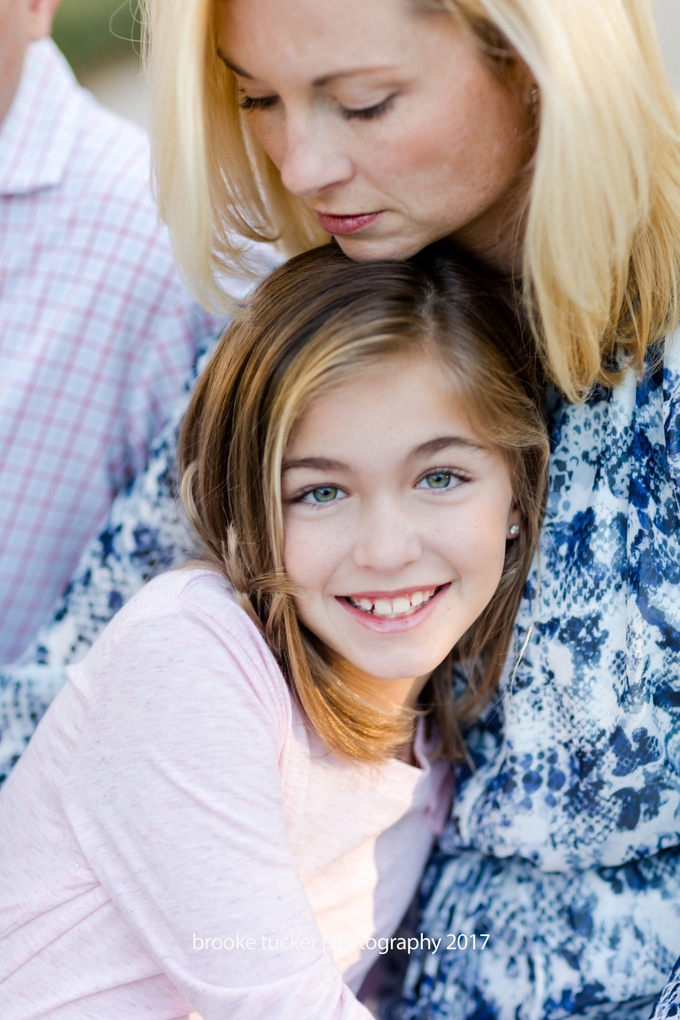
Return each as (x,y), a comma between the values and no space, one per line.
(325,37)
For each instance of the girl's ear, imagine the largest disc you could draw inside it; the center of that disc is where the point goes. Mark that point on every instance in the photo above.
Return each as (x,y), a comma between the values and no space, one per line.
(514,523)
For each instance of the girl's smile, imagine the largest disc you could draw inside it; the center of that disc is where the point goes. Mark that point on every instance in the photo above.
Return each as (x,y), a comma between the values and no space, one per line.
(388,613)
(395,545)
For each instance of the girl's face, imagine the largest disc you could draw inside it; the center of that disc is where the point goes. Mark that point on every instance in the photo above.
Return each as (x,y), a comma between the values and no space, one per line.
(396,517)
(386,121)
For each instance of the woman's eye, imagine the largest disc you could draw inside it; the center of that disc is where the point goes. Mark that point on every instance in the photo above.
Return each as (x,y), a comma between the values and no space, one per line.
(250,103)
(368,112)
(322,494)
(439,480)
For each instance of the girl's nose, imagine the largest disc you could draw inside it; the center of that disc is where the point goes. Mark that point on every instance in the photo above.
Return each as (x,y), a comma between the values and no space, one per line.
(387,540)
(312,163)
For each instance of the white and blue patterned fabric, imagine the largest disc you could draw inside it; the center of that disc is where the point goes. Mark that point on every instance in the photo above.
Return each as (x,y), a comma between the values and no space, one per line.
(564,843)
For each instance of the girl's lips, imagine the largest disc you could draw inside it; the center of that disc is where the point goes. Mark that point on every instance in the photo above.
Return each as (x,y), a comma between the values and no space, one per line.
(384,625)
(340,225)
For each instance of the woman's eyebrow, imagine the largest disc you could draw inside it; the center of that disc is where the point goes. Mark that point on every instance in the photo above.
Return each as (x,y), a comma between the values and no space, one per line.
(317,83)
(349,73)
(316,463)
(444,443)
(232,66)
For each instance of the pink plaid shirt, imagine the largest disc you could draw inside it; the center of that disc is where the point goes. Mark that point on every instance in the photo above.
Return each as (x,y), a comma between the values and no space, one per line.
(97,334)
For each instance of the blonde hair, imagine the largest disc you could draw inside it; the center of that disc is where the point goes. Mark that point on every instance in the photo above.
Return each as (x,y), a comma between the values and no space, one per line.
(601,256)
(316,322)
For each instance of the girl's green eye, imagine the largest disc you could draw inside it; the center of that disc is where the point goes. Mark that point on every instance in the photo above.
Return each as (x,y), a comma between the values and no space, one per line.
(324,494)
(438,480)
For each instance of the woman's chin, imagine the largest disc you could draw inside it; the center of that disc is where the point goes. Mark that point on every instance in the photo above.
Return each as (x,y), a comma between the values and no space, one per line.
(378,242)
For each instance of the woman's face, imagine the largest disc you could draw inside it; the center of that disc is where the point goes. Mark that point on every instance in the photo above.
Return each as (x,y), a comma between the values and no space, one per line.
(396,544)
(385,120)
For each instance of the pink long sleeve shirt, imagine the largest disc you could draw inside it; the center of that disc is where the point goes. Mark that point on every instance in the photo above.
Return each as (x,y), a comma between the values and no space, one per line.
(175,838)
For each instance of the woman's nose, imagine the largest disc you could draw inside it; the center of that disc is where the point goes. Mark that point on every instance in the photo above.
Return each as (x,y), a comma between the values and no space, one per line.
(386,541)
(312,163)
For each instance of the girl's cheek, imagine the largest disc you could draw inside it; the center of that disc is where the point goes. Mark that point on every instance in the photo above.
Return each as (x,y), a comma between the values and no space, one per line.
(307,556)
(480,541)
(293,552)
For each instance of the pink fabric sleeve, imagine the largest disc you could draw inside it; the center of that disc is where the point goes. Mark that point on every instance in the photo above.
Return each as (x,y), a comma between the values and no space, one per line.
(176,798)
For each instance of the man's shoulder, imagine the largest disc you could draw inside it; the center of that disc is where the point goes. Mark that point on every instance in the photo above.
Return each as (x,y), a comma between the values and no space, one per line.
(57,138)
(109,154)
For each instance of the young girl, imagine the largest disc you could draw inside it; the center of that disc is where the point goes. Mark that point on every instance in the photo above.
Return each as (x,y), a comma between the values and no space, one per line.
(229,805)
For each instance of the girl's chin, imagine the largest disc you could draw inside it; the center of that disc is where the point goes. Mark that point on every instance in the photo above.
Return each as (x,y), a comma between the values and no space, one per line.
(383,676)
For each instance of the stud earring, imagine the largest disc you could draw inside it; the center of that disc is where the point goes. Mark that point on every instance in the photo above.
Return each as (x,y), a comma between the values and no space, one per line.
(513,530)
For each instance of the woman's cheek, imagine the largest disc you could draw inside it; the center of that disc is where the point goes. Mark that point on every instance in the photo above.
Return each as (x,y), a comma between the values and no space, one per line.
(270,133)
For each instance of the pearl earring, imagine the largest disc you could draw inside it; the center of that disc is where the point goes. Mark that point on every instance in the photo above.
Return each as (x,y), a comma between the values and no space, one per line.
(513,530)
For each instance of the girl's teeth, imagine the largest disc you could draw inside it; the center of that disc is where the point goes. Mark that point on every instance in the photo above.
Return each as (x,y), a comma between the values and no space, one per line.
(394,607)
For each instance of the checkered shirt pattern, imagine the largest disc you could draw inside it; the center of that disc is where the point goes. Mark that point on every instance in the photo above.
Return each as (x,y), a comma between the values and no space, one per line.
(97,334)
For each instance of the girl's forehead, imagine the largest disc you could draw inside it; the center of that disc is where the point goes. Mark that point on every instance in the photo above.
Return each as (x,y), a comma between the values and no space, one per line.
(398,402)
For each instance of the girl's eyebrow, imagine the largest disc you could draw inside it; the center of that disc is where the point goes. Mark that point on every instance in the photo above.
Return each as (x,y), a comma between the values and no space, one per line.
(317,463)
(443,443)
(425,449)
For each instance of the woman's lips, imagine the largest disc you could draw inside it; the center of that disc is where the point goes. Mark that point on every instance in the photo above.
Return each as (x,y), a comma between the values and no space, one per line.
(339,225)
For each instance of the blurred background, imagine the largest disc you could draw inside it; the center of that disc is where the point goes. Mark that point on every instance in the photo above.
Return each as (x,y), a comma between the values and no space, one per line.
(101,41)
(668,20)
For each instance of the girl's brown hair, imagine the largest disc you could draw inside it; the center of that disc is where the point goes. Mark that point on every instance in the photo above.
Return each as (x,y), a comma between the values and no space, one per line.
(316,322)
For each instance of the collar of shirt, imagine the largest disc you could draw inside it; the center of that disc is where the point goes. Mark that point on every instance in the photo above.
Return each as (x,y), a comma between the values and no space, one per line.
(39,130)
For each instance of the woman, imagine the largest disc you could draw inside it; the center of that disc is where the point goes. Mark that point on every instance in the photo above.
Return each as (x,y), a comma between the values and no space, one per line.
(543,136)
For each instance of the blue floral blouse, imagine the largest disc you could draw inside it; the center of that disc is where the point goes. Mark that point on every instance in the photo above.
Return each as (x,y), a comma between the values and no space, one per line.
(562,856)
